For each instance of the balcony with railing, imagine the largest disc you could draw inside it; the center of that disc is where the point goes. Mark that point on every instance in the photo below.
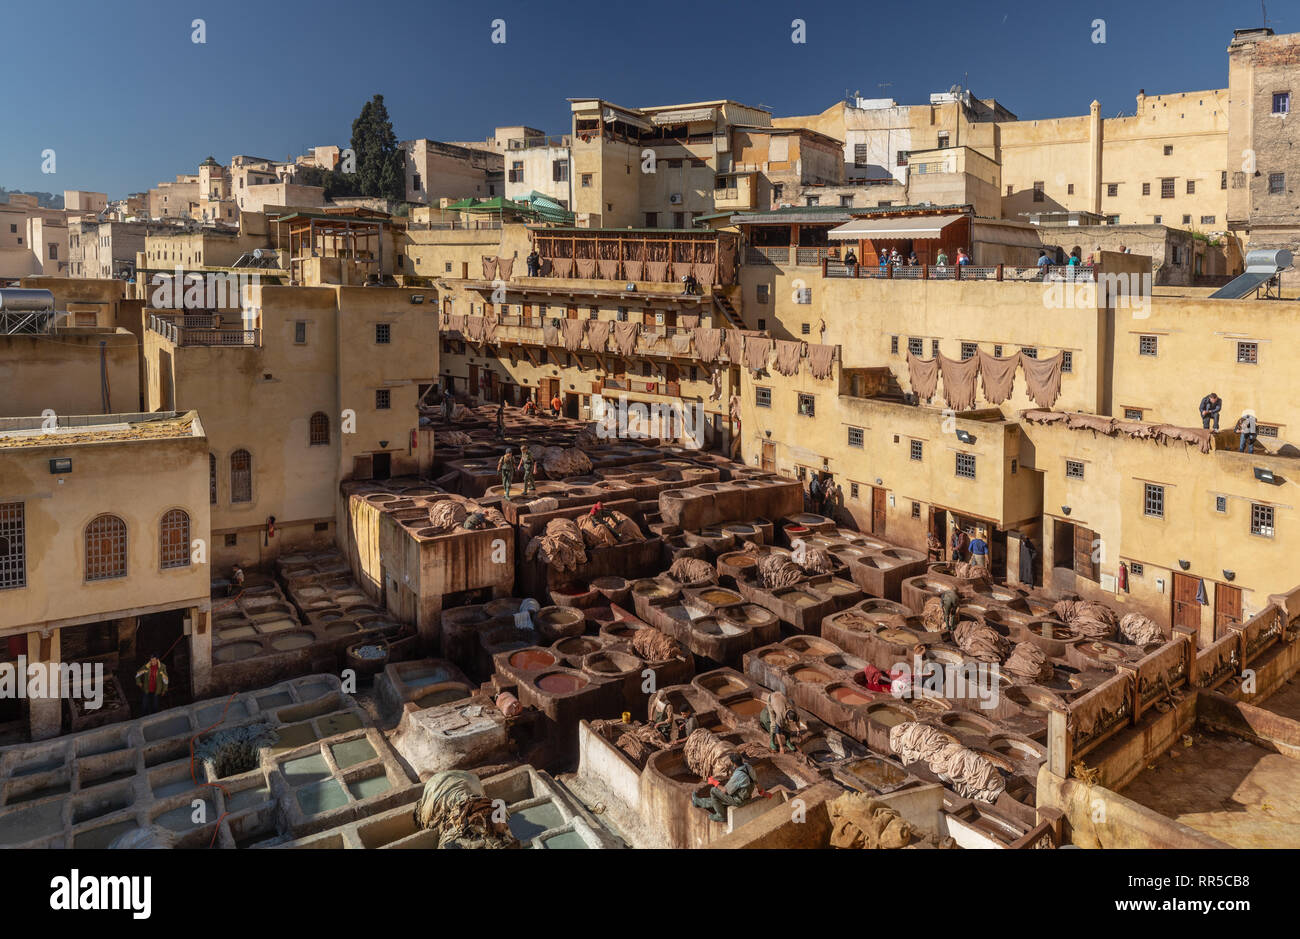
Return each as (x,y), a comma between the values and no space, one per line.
(201,330)
(1058,273)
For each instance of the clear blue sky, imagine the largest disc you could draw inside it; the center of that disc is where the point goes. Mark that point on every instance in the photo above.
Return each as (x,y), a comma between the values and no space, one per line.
(119,91)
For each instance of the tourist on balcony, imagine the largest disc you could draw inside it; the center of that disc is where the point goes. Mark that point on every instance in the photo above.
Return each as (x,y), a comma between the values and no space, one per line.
(942,258)
(690,286)
(850,259)
(1246,430)
(913,260)
(534,262)
(1211,405)
(962,257)
(884,261)
(1044,263)
(1074,260)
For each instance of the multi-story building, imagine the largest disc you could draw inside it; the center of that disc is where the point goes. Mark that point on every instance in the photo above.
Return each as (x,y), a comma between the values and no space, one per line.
(1263,165)
(437,170)
(104,249)
(33,239)
(537,163)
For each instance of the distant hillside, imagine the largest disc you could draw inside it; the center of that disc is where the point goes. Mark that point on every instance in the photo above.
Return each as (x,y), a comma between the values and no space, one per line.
(46,200)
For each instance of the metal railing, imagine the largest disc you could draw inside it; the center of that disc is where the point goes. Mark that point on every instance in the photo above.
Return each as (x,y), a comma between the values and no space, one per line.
(184,336)
(1054,273)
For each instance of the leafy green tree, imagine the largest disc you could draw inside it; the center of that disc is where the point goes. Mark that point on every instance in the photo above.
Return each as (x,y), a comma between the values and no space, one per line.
(379,162)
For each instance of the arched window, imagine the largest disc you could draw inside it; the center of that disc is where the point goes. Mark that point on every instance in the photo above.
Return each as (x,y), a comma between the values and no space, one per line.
(175,539)
(212,479)
(320,429)
(241,476)
(105,548)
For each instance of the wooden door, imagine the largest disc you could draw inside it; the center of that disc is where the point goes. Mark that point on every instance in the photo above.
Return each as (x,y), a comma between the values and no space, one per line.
(572,312)
(877,510)
(1227,608)
(471,385)
(1085,565)
(769,457)
(1187,611)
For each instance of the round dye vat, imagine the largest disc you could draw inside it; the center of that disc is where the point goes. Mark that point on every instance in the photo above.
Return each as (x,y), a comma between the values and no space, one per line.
(290,641)
(746,707)
(721,597)
(309,592)
(236,651)
(813,675)
(849,696)
(502,606)
(340,628)
(532,659)
(350,599)
(877,772)
(235,632)
(798,598)
(890,715)
(651,588)
(276,625)
(897,636)
(779,658)
(711,626)
(576,646)
(812,646)
(561,683)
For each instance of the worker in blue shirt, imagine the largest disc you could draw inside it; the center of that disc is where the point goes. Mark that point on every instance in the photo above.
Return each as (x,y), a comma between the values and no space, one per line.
(979,551)
(738,790)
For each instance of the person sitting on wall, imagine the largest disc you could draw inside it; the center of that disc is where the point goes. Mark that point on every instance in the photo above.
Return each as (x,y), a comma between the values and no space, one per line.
(690,285)
(781,722)
(1211,405)
(152,680)
(739,789)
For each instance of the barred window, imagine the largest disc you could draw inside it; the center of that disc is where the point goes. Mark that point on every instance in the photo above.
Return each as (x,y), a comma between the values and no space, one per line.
(915,346)
(1030,351)
(241,476)
(1147,345)
(853,490)
(762,397)
(1135,568)
(383,333)
(916,510)
(968,350)
(966,465)
(212,479)
(1073,469)
(13,545)
(893,345)
(383,400)
(105,548)
(1248,353)
(320,429)
(1261,520)
(1067,360)
(1221,504)
(934,348)
(1132,414)
(807,405)
(175,546)
(855,437)
(915,449)
(1153,500)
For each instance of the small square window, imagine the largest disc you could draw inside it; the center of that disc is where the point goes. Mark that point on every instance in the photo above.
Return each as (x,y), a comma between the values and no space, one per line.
(1132,414)
(1073,469)
(1038,191)
(1191,187)
(321,526)
(968,350)
(1248,353)
(760,293)
(762,397)
(1221,504)
(383,399)
(1276,183)
(1112,189)
(1223,179)
(1146,189)
(1187,220)
(934,348)
(1067,360)
(1135,569)
(1153,500)
(915,347)
(855,437)
(1169,149)
(1147,345)
(805,329)
(586,180)
(807,405)
(762,323)
(966,465)
(997,351)
(915,449)
(916,510)
(1281,102)
(1261,520)
(1030,351)
(1167,188)
(1069,189)
(383,333)
(232,540)
(446,267)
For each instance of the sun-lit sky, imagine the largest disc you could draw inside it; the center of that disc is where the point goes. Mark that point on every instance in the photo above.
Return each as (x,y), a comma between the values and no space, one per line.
(124,97)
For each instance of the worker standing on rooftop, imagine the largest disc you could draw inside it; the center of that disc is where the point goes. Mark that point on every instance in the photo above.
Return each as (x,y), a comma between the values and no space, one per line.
(501,419)
(526,468)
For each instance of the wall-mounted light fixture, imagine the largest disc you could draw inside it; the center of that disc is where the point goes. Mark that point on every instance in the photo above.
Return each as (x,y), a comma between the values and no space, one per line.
(417,298)
(879,482)
(1065,509)
(768,433)
(1184,564)
(1229,575)
(383,444)
(61,465)
(1264,474)
(965,436)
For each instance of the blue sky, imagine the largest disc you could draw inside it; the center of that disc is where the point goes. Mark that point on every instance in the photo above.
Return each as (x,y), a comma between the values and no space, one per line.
(125,99)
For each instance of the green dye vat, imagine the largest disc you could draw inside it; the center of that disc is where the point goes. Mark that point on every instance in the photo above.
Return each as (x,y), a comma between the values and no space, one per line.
(321,797)
(565,839)
(352,752)
(104,836)
(269,702)
(215,713)
(526,824)
(35,822)
(306,769)
(245,798)
(293,736)
(312,690)
(333,724)
(181,818)
(365,788)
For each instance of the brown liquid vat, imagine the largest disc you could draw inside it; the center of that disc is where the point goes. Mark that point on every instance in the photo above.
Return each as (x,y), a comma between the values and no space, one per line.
(850,696)
(560,683)
(532,660)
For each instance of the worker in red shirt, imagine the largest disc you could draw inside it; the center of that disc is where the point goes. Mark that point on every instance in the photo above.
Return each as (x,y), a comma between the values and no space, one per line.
(152,679)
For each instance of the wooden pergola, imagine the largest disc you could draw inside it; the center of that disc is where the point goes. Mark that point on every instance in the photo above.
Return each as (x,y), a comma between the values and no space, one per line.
(655,255)
(352,238)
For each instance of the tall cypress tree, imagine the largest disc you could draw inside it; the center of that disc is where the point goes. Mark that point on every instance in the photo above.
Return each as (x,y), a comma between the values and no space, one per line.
(379,164)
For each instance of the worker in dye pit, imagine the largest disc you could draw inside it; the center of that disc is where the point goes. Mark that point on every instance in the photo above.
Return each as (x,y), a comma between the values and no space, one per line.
(448,405)
(152,679)
(236,581)
(501,419)
(950,600)
(959,544)
(738,790)
(934,546)
(506,467)
(781,722)
(979,550)
(606,518)
(816,490)
(526,468)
